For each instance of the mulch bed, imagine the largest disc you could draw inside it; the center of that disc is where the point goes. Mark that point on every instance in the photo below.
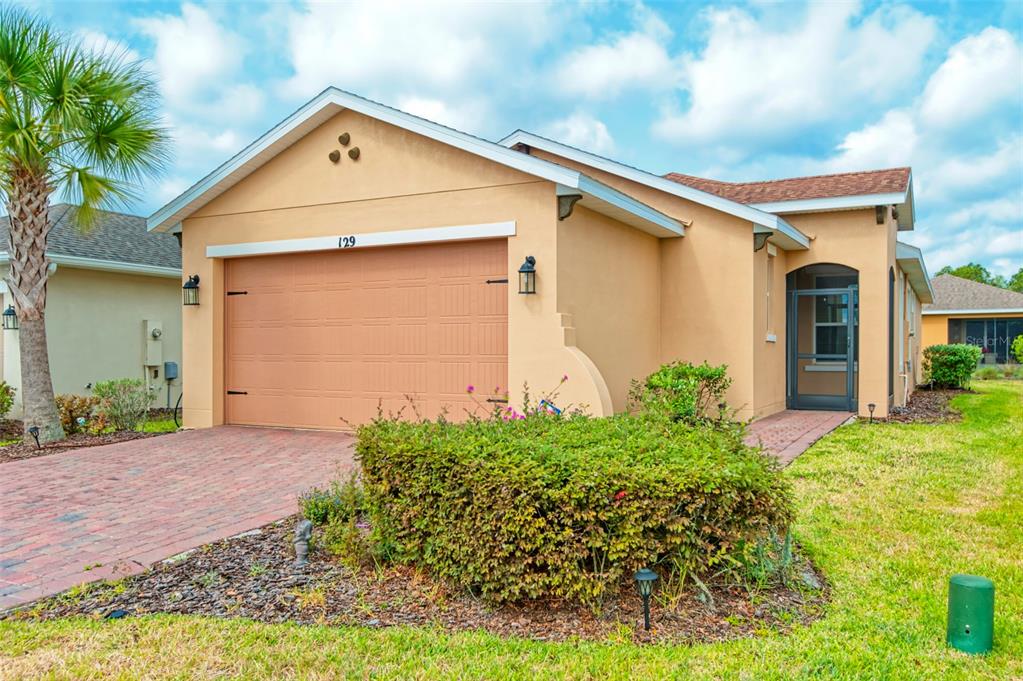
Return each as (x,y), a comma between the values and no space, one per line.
(252,576)
(928,405)
(26,449)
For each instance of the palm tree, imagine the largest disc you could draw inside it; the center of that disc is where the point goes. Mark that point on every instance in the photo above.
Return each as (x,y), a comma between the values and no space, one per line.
(75,122)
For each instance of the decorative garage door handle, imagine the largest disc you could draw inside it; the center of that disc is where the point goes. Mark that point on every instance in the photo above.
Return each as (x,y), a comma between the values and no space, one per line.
(237,293)
(497,281)
(236,392)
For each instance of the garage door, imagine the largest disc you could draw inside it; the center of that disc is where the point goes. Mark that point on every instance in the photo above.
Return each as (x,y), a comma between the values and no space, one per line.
(322,340)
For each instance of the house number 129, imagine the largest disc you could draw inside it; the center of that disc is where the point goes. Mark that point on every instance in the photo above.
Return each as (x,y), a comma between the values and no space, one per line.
(345,241)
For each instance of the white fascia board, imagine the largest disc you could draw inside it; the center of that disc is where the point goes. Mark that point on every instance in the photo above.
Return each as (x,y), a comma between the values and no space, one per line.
(317,111)
(993,311)
(602,192)
(349,240)
(832,203)
(911,260)
(108,265)
(754,215)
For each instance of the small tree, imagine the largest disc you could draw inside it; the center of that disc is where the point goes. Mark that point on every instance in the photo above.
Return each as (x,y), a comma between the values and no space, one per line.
(72,122)
(1017,348)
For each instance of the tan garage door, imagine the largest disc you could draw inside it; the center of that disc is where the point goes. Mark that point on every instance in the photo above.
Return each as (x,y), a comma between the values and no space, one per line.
(319,340)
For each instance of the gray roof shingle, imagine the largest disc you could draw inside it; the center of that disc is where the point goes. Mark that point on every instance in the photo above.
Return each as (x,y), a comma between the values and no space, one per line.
(116,237)
(956,293)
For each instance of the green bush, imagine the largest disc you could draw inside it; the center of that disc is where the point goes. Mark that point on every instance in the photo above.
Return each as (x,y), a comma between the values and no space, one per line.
(6,399)
(73,407)
(123,402)
(682,391)
(1017,348)
(987,373)
(566,507)
(950,366)
(340,501)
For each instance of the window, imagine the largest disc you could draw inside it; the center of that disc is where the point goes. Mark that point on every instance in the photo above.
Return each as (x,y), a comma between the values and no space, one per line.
(831,317)
(993,336)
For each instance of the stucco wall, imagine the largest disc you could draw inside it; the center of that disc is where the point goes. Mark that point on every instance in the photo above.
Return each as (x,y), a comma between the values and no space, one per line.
(609,281)
(768,354)
(853,238)
(94,329)
(401,181)
(935,326)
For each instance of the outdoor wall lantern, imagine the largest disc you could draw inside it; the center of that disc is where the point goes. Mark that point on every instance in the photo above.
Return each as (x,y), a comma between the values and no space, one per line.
(527,275)
(10,319)
(190,291)
(645,579)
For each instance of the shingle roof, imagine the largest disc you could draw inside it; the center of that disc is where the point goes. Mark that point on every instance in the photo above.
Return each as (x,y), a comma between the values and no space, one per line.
(956,293)
(886,181)
(117,237)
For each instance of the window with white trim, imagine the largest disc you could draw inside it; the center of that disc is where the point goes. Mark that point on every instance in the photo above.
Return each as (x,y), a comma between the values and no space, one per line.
(830,318)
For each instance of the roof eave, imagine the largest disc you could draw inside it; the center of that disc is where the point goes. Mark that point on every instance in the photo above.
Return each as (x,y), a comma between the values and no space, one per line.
(785,235)
(902,201)
(911,260)
(101,265)
(330,102)
(987,311)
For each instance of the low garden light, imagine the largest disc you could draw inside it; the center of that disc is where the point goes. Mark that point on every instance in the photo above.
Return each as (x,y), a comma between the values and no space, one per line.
(190,291)
(645,579)
(871,407)
(10,319)
(34,432)
(527,276)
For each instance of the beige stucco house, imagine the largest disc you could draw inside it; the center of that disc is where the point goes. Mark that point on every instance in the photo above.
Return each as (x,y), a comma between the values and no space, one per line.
(356,255)
(965,311)
(108,291)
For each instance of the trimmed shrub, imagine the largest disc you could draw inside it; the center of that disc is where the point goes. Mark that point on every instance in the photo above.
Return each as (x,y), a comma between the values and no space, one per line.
(682,391)
(950,366)
(1017,348)
(566,507)
(6,399)
(73,407)
(123,402)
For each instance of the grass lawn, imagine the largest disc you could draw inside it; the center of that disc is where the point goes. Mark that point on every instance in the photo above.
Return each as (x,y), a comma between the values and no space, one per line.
(159,426)
(888,512)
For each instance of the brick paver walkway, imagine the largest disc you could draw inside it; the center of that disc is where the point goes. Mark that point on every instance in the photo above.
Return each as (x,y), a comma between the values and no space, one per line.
(116,509)
(789,433)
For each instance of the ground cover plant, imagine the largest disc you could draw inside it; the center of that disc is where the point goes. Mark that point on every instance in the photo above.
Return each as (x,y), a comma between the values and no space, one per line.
(888,511)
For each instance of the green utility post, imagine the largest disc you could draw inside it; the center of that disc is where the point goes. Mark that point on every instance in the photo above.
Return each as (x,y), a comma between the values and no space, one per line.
(971,613)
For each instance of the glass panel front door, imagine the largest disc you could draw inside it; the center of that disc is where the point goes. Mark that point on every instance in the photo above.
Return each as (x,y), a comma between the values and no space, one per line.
(822,352)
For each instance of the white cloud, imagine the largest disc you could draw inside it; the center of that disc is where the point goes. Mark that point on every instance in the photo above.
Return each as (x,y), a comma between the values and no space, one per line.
(466,116)
(980,72)
(388,47)
(889,142)
(193,53)
(583,131)
(636,60)
(100,43)
(959,174)
(754,81)
(1007,209)
(1009,243)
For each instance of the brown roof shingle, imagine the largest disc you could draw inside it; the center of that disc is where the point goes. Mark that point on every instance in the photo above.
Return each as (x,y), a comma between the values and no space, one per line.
(796,188)
(956,293)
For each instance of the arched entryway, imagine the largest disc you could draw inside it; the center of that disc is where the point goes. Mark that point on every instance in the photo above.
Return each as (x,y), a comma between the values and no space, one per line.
(823,337)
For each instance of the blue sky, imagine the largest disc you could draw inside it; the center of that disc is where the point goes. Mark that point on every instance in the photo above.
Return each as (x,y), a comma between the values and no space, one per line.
(732,90)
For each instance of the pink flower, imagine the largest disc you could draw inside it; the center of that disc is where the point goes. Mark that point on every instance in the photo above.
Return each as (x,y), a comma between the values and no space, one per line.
(470,389)
(621,495)
(564,378)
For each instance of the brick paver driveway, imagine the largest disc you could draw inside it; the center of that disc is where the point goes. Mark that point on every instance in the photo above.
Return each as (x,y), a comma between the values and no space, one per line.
(116,509)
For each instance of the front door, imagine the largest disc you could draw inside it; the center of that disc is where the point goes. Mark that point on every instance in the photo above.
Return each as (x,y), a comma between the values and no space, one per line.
(822,348)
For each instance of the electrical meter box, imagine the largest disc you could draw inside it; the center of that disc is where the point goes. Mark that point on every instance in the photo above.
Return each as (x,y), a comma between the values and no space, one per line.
(170,370)
(153,333)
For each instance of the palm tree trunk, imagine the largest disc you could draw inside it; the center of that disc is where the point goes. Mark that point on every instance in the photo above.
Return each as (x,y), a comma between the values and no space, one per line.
(28,208)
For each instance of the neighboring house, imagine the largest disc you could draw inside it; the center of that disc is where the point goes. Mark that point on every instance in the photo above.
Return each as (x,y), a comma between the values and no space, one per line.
(107,291)
(357,256)
(966,311)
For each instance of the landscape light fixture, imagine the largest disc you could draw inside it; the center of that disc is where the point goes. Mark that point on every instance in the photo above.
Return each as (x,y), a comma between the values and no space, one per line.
(34,432)
(871,407)
(190,291)
(10,319)
(527,276)
(645,579)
